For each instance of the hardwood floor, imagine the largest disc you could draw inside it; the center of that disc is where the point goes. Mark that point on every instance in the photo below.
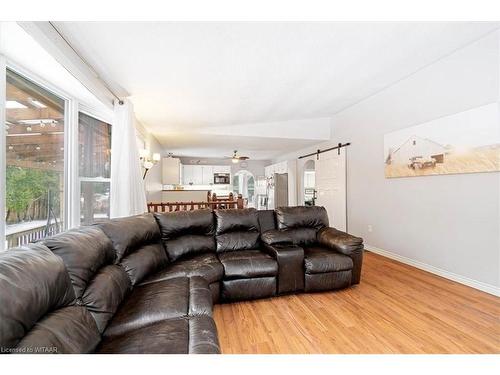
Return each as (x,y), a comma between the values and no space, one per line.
(396,309)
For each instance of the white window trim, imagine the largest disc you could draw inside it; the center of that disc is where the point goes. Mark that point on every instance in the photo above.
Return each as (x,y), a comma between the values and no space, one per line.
(71,176)
(70,154)
(101,116)
(3,144)
(105,116)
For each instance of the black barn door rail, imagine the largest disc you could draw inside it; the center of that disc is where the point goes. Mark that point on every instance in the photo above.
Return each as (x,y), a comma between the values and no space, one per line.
(338,147)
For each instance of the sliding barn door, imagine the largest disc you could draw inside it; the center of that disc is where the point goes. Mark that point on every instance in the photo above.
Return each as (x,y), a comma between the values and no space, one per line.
(331,187)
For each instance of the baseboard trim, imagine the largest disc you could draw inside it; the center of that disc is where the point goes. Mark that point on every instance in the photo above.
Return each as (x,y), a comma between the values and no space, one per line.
(490,289)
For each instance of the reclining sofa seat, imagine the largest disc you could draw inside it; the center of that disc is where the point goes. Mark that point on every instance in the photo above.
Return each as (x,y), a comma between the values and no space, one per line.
(38,309)
(249,272)
(332,259)
(166,316)
(188,239)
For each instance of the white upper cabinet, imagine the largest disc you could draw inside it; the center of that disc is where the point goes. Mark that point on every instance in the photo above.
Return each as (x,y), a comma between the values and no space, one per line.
(207,173)
(202,174)
(192,175)
(197,175)
(221,169)
(171,171)
(187,174)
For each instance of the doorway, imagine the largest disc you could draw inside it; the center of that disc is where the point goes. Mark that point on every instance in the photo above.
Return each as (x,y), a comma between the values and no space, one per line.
(244,184)
(330,181)
(309,183)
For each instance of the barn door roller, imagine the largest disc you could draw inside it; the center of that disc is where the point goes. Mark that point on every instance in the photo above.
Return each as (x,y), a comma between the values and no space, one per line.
(338,147)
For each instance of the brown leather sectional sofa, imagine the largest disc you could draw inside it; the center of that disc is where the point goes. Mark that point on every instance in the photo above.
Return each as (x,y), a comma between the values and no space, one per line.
(147,284)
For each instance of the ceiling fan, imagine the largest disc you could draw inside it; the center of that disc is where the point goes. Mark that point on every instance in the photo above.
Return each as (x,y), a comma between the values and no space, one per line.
(235,158)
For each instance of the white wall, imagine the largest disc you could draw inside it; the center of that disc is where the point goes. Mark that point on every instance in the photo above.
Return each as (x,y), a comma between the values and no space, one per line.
(446,223)
(153,181)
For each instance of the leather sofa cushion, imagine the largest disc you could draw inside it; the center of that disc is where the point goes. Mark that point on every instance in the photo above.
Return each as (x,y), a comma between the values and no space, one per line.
(238,241)
(136,241)
(105,293)
(89,257)
(185,335)
(167,299)
(70,330)
(144,261)
(339,241)
(33,283)
(321,260)
(179,223)
(163,337)
(237,229)
(301,216)
(203,337)
(205,265)
(327,281)
(186,233)
(84,251)
(267,220)
(274,237)
(189,244)
(302,236)
(247,264)
(247,289)
(241,220)
(129,233)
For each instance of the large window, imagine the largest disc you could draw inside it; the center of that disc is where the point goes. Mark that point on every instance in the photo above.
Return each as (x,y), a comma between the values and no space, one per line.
(34,161)
(94,142)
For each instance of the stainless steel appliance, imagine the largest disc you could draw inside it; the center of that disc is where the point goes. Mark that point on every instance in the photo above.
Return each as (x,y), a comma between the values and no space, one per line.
(222,178)
(280,190)
(277,191)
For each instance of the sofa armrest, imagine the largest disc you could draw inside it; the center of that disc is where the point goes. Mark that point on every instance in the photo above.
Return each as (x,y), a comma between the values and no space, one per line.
(340,241)
(290,259)
(346,244)
(275,237)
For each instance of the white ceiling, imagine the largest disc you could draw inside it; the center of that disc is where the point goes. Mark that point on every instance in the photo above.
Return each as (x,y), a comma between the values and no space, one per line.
(195,84)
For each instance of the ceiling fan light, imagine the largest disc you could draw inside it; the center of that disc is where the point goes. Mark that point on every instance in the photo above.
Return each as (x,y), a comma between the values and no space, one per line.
(235,160)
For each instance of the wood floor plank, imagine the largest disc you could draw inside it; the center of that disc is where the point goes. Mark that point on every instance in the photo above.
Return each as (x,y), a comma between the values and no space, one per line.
(396,309)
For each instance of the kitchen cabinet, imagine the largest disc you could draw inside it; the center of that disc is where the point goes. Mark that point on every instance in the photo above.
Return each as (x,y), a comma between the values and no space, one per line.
(202,174)
(207,174)
(221,168)
(197,175)
(188,174)
(171,171)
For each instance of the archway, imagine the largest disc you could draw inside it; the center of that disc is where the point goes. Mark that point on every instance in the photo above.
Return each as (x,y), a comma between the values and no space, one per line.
(244,184)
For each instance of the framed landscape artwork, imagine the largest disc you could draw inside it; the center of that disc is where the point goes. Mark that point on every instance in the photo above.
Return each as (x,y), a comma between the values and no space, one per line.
(467,142)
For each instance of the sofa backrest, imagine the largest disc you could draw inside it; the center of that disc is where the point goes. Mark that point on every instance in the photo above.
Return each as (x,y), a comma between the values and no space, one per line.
(136,241)
(185,233)
(267,220)
(38,313)
(302,223)
(99,284)
(237,229)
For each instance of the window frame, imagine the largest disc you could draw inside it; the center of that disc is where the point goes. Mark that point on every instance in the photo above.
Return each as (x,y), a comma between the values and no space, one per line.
(3,146)
(72,107)
(101,117)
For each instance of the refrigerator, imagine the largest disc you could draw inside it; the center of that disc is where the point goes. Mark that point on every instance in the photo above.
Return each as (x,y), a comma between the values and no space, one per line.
(277,191)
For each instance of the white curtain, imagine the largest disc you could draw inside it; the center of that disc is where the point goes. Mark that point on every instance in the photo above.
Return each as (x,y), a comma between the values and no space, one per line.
(128,196)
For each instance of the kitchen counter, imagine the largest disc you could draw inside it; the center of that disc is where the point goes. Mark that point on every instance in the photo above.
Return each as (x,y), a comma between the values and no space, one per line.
(184,195)
(176,190)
